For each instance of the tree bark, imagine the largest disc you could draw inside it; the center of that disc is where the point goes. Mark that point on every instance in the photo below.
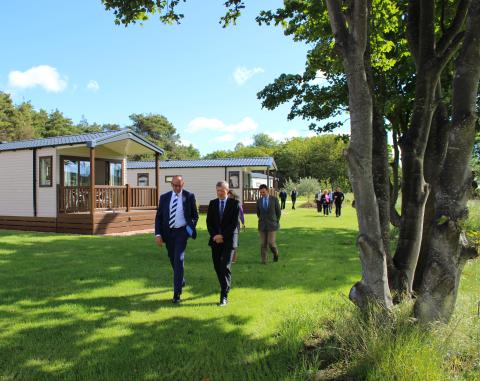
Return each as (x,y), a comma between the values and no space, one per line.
(351,41)
(413,144)
(434,160)
(448,247)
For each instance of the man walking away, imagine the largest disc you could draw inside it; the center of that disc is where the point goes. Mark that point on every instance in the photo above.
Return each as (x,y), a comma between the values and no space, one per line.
(338,198)
(222,222)
(293,196)
(283,198)
(175,222)
(268,213)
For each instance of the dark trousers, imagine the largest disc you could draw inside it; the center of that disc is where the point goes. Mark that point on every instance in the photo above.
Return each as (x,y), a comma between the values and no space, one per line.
(325,209)
(319,206)
(222,262)
(293,202)
(282,204)
(338,209)
(176,245)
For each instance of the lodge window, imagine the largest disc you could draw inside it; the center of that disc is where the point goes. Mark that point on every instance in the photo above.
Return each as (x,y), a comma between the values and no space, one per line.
(142,179)
(45,166)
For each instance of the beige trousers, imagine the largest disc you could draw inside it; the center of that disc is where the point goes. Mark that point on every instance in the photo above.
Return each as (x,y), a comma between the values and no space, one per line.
(267,239)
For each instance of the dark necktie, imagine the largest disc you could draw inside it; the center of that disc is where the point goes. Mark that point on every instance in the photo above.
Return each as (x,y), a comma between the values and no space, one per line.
(173,211)
(222,207)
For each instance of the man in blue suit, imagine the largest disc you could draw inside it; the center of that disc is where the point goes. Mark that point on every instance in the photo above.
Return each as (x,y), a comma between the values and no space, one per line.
(175,222)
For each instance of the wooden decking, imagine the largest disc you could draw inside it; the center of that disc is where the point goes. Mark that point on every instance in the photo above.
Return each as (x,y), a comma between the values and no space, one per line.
(81,223)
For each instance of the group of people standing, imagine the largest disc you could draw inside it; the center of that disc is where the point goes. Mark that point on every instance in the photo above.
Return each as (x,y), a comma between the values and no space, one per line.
(326,199)
(176,221)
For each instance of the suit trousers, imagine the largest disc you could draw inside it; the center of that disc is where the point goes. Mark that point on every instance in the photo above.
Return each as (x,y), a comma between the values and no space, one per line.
(176,245)
(267,239)
(222,262)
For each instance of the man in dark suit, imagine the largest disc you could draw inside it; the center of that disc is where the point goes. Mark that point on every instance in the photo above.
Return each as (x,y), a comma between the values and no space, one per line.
(222,221)
(175,222)
(268,213)
(293,197)
(283,198)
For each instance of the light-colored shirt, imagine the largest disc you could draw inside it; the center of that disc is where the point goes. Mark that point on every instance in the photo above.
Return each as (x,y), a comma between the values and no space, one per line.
(265,202)
(179,216)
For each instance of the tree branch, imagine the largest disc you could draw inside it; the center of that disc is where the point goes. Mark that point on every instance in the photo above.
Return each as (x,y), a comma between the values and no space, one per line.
(456,26)
(339,24)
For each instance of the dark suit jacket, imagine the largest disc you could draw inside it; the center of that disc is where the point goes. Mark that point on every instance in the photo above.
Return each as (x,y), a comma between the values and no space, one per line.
(163,213)
(268,220)
(225,226)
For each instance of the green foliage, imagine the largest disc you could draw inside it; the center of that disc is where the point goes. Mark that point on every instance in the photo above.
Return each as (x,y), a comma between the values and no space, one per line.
(264,140)
(19,122)
(320,157)
(308,186)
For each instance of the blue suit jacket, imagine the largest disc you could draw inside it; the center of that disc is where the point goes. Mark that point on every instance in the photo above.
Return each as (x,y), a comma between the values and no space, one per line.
(163,213)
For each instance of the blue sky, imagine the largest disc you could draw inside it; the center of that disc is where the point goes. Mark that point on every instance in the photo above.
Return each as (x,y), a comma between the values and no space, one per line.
(203,78)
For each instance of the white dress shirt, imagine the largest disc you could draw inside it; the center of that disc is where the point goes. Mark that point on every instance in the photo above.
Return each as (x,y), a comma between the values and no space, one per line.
(179,216)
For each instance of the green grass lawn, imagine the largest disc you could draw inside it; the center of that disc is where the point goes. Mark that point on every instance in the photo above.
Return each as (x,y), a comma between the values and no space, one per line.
(99,308)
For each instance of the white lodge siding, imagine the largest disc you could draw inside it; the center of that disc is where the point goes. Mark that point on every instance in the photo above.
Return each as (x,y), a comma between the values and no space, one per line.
(16,183)
(47,196)
(200,181)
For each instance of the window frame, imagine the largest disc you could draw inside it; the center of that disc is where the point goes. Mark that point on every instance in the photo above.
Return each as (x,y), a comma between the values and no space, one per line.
(40,172)
(143,174)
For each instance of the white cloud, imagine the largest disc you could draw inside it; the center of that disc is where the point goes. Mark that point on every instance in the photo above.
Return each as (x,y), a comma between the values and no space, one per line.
(44,76)
(93,86)
(243,74)
(246,141)
(247,124)
(185,142)
(225,138)
(280,135)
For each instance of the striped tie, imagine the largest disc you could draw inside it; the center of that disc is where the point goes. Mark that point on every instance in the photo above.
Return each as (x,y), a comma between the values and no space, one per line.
(173,212)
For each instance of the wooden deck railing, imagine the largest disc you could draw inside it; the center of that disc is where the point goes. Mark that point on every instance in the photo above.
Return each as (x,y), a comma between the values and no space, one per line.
(253,194)
(77,199)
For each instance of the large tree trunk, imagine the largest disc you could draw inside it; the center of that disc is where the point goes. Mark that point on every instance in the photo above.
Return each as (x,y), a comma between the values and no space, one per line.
(421,29)
(351,40)
(448,248)
(433,163)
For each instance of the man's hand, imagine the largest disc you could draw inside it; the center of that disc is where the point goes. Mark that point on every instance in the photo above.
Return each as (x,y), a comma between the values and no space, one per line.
(244,228)
(218,238)
(159,240)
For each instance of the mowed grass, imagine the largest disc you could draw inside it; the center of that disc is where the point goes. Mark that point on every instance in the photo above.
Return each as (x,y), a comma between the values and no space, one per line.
(99,308)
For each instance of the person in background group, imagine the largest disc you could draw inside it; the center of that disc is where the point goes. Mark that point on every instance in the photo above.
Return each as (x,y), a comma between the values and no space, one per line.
(325,200)
(283,198)
(268,213)
(330,195)
(338,198)
(318,200)
(293,196)
(222,222)
(175,222)
(241,220)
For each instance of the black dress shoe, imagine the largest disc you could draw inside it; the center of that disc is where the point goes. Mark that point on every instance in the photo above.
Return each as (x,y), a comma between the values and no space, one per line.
(176,299)
(223,302)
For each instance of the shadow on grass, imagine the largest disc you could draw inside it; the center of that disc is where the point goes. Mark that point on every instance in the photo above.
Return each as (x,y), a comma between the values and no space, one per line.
(36,265)
(83,307)
(155,350)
